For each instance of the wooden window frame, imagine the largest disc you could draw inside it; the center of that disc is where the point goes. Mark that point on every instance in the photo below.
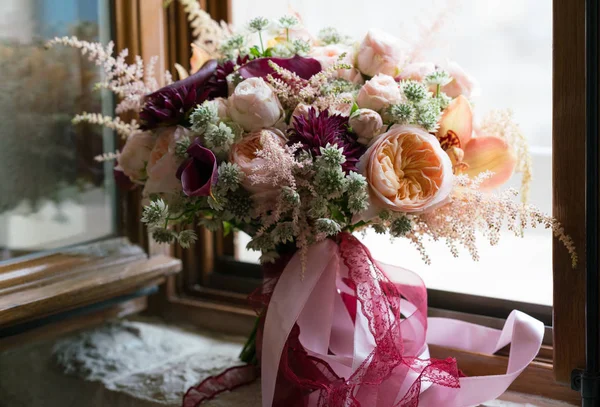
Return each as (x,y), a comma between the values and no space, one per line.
(50,293)
(200,296)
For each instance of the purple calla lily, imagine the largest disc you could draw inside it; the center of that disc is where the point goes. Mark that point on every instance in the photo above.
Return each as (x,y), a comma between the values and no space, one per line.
(199,172)
(301,66)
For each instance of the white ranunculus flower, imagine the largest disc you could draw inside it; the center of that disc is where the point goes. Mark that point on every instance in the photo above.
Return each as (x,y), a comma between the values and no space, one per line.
(254,105)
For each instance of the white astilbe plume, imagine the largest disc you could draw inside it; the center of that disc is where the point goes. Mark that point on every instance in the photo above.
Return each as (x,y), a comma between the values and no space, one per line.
(208,34)
(500,123)
(111,156)
(471,211)
(114,123)
(128,81)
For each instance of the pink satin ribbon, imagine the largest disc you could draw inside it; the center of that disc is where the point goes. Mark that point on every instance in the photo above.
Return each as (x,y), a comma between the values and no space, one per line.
(313,300)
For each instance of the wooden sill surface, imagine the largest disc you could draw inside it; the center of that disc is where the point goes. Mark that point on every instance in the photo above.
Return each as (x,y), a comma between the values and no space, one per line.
(59,282)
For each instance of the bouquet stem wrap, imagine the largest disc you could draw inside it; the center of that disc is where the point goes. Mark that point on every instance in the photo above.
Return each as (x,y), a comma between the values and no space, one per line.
(350,331)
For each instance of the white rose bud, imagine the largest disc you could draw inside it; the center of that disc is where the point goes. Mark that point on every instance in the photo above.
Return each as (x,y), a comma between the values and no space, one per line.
(367,124)
(379,92)
(221,108)
(254,105)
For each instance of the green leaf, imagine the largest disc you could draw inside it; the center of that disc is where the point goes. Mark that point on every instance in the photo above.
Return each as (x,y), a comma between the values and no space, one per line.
(227,228)
(268,52)
(354,108)
(255,52)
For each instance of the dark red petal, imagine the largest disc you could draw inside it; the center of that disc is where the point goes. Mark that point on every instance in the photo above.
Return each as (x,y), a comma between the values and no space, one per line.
(301,66)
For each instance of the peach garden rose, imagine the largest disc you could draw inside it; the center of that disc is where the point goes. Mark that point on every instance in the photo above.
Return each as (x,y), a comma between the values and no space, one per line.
(407,170)
(244,155)
(163,163)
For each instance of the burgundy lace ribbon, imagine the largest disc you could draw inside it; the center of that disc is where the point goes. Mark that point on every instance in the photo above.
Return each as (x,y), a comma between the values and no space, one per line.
(306,379)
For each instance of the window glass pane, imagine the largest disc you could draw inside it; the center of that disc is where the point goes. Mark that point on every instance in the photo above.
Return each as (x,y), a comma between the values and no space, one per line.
(507,46)
(52,192)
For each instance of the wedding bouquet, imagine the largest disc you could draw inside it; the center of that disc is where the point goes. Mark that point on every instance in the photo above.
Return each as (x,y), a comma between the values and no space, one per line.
(301,141)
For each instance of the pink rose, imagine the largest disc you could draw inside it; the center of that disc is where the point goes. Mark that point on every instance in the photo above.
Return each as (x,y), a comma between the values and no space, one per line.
(254,106)
(366,123)
(163,164)
(136,154)
(461,84)
(417,71)
(380,53)
(244,155)
(407,171)
(379,92)
(329,55)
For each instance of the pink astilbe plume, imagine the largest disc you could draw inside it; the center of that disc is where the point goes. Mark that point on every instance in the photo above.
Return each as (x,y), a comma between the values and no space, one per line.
(279,163)
(128,81)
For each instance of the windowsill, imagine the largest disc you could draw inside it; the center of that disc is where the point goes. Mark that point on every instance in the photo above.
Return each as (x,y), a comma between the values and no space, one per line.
(138,363)
(506,271)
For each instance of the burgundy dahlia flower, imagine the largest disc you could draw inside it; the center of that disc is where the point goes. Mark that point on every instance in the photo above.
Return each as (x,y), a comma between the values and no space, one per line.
(170,105)
(322,128)
(199,172)
(218,82)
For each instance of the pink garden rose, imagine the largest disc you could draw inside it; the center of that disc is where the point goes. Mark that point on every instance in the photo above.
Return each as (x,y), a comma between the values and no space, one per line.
(254,106)
(407,171)
(244,155)
(379,92)
(380,53)
(163,163)
(417,71)
(329,55)
(136,154)
(461,84)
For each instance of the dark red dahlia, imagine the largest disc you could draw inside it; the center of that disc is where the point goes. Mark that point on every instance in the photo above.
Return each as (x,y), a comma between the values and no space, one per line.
(322,128)
(218,82)
(170,105)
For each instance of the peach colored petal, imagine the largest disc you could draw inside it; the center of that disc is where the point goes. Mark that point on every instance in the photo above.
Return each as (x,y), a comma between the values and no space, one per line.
(199,57)
(493,154)
(458,119)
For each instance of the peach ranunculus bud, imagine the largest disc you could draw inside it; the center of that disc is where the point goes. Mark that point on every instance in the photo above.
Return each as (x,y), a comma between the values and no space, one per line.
(329,55)
(254,106)
(136,154)
(380,53)
(244,155)
(343,106)
(367,124)
(163,164)
(301,109)
(416,71)
(407,171)
(490,153)
(461,83)
(379,92)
